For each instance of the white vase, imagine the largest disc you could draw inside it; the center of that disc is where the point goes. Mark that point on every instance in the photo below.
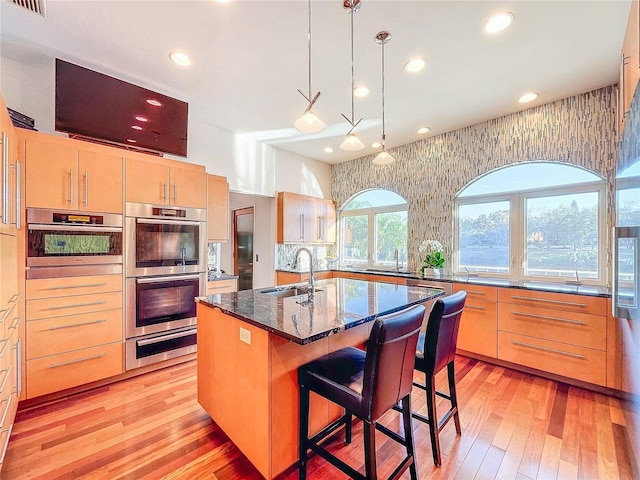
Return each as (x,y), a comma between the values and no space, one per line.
(431,272)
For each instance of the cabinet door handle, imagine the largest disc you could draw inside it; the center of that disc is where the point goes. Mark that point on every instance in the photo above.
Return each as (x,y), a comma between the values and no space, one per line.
(86,188)
(18,194)
(5,178)
(64,287)
(302,226)
(88,304)
(474,307)
(71,192)
(70,362)
(71,325)
(550,350)
(544,300)
(175,192)
(164,191)
(544,317)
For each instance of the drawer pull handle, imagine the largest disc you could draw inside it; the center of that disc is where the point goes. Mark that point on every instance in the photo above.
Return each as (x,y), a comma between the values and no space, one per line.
(544,300)
(71,325)
(4,382)
(70,362)
(4,348)
(65,287)
(473,292)
(15,323)
(544,317)
(218,287)
(14,298)
(474,307)
(416,285)
(88,304)
(559,352)
(6,409)
(6,441)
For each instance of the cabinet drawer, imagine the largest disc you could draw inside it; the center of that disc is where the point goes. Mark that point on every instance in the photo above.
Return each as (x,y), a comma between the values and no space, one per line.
(67,286)
(478,328)
(73,332)
(221,286)
(558,301)
(479,292)
(58,372)
(570,361)
(565,327)
(63,306)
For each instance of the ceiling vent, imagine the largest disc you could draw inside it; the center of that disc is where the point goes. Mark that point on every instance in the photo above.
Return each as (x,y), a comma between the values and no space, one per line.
(35,6)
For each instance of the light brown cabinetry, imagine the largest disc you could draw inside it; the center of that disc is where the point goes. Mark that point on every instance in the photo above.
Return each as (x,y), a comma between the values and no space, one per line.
(165,182)
(557,333)
(74,332)
(61,174)
(479,323)
(217,209)
(629,64)
(222,286)
(303,219)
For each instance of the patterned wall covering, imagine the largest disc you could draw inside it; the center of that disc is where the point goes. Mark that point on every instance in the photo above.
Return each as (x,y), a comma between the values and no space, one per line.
(629,146)
(579,130)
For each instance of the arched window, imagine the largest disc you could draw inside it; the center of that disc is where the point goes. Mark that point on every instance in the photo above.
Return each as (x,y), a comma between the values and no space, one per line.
(373,230)
(533,221)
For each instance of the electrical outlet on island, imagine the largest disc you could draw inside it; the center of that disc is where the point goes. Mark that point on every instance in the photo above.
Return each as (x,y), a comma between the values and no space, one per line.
(245,336)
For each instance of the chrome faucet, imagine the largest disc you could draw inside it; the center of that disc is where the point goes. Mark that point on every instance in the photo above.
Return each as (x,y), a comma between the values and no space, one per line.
(395,257)
(312,286)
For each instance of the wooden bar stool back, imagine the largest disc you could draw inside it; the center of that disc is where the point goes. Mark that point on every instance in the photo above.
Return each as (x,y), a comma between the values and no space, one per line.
(367,384)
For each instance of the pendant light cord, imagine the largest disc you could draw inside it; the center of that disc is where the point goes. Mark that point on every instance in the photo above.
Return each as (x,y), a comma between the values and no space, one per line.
(309,48)
(353,86)
(383,133)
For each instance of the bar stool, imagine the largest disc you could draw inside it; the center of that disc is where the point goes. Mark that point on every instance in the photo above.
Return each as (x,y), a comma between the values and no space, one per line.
(436,350)
(367,385)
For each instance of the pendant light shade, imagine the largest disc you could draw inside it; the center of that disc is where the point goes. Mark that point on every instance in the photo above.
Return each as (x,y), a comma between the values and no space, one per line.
(383,158)
(352,142)
(309,122)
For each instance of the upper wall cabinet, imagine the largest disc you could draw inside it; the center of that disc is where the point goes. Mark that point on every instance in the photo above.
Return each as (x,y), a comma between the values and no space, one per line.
(165,182)
(217,209)
(629,64)
(303,219)
(61,174)
(10,171)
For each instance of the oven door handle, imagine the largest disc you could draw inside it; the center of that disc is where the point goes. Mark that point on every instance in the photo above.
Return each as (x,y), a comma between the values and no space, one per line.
(74,228)
(167,220)
(151,341)
(167,279)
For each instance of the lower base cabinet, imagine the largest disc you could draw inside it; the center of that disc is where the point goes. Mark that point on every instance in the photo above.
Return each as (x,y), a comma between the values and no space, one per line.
(478,326)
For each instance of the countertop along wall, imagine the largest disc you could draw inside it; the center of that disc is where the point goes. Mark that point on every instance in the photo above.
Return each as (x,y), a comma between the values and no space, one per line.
(579,130)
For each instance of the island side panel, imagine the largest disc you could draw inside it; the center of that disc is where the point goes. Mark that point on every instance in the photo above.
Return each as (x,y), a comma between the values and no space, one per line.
(233,382)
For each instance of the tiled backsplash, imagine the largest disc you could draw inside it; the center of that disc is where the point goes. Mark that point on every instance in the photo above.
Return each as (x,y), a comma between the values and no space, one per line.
(324,256)
(213,260)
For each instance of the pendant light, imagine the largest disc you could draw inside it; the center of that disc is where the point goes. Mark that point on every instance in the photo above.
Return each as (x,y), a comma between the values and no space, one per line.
(383,158)
(309,122)
(352,142)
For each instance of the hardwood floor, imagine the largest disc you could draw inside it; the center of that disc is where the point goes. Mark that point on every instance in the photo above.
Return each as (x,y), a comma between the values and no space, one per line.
(514,425)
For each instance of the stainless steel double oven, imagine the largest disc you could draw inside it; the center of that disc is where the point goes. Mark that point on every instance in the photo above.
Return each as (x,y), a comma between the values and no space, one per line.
(165,265)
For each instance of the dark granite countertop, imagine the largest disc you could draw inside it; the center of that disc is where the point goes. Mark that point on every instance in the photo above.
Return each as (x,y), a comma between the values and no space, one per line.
(553,287)
(340,304)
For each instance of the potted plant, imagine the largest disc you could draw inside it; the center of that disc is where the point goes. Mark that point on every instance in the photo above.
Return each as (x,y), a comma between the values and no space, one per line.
(433,260)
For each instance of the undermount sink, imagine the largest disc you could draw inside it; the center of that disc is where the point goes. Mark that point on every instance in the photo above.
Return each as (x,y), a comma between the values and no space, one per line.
(285,292)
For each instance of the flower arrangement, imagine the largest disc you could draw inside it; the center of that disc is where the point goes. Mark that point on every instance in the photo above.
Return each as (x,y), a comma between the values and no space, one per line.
(432,251)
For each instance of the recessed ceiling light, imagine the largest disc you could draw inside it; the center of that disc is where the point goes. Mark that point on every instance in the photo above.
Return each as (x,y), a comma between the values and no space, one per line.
(136,127)
(415,65)
(376,145)
(528,97)
(154,103)
(422,130)
(140,118)
(361,91)
(328,150)
(499,22)
(179,58)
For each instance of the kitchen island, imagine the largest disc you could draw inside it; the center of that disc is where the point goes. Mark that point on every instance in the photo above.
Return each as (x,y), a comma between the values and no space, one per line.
(250,344)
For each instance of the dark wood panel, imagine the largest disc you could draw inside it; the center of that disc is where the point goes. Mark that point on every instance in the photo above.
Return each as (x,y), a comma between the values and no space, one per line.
(514,425)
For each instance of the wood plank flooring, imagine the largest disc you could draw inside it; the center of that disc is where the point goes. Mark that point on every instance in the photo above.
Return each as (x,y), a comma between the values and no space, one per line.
(514,425)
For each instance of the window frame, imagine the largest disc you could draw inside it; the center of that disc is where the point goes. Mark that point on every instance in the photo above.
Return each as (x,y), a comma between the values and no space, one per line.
(371,213)
(517,229)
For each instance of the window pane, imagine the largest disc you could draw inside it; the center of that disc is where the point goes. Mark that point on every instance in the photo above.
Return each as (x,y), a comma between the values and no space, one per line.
(484,237)
(355,239)
(391,235)
(562,235)
(374,198)
(528,175)
(628,206)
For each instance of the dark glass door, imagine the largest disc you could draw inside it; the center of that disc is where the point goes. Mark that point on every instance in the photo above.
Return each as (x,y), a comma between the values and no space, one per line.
(243,247)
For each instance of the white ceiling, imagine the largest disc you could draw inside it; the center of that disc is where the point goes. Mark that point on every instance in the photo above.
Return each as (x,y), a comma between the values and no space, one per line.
(250,58)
